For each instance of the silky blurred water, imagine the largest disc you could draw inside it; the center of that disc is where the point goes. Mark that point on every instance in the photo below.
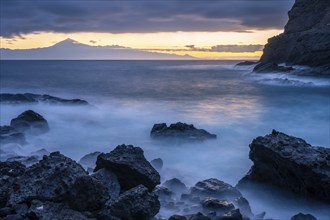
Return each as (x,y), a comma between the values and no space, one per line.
(128,97)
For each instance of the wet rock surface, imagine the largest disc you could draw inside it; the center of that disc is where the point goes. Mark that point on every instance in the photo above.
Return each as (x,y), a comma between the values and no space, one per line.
(181,131)
(130,166)
(290,163)
(57,187)
(30,121)
(9,98)
(271,67)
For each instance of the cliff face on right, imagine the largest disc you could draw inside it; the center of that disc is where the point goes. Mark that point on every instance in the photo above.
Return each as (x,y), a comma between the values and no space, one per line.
(306,36)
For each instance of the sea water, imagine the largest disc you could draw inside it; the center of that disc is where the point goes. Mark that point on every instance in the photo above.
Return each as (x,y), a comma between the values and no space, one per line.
(127,97)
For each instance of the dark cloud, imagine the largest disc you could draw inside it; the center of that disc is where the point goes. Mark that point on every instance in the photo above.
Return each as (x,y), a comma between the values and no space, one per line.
(20,17)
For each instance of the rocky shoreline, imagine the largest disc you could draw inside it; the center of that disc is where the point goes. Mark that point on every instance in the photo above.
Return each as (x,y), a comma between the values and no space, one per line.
(122,184)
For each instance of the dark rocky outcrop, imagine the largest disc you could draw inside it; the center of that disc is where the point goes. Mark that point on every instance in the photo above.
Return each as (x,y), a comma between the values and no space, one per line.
(136,203)
(305,40)
(271,67)
(30,121)
(36,98)
(290,163)
(175,185)
(9,134)
(34,157)
(301,216)
(59,188)
(180,131)
(130,166)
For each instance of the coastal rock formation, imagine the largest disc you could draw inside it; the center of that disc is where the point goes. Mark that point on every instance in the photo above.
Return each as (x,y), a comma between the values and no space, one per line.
(59,188)
(30,121)
(305,40)
(207,199)
(301,216)
(180,131)
(36,98)
(290,163)
(130,166)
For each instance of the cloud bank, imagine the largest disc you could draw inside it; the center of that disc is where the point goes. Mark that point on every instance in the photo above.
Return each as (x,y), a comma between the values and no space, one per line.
(22,17)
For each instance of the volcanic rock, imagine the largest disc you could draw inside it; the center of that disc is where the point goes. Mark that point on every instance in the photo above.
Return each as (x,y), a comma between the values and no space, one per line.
(30,121)
(290,163)
(130,166)
(305,40)
(180,131)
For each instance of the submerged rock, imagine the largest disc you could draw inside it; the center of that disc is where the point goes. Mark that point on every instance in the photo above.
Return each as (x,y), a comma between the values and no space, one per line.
(180,131)
(157,163)
(247,63)
(301,216)
(216,204)
(89,160)
(176,185)
(271,67)
(130,166)
(9,134)
(30,121)
(36,98)
(290,163)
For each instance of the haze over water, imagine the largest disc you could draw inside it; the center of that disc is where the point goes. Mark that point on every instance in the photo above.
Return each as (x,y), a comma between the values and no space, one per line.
(128,97)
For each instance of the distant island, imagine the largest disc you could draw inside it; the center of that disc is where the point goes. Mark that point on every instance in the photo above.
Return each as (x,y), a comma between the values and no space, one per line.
(73,50)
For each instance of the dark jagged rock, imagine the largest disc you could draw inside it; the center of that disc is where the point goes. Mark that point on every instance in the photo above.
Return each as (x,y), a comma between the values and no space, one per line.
(12,169)
(157,163)
(176,185)
(36,98)
(177,217)
(215,188)
(233,215)
(30,121)
(290,163)
(110,181)
(54,211)
(198,216)
(305,40)
(130,166)
(247,63)
(180,131)
(301,216)
(88,194)
(216,204)
(271,67)
(9,134)
(136,203)
(50,179)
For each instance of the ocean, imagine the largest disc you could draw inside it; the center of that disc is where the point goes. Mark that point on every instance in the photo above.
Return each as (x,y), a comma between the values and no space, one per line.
(128,97)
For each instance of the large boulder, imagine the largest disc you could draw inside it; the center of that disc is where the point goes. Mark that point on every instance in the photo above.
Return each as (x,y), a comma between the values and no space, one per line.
(136,203)
(130,166)
(290,163)
(301,216)
(181,131)
(305,40)
(9,98)
(176,185)
(30,121)
(50,179)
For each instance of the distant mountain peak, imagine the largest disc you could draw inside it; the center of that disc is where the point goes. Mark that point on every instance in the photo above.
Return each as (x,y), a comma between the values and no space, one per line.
(67,42)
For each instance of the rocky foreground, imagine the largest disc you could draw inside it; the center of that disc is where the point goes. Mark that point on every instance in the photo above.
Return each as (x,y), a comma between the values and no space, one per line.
(122,184)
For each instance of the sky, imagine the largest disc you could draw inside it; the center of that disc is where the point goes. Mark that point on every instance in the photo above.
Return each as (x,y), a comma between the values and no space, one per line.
(209,29)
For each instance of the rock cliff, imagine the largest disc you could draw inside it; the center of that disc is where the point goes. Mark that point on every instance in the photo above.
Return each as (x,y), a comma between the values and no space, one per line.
(306,37)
